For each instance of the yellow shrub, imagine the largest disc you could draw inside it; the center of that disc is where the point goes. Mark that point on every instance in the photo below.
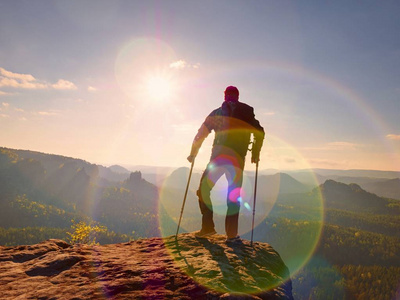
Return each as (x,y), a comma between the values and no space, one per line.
(85,233)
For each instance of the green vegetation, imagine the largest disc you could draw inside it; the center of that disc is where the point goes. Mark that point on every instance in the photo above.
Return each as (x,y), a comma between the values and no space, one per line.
(33,235)
(320,281)
(384,224)
(30,235)
(358,252)
(351,246)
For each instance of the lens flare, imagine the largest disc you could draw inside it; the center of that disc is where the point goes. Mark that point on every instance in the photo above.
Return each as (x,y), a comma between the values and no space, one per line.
(291,223)
(158,87)
(142,69)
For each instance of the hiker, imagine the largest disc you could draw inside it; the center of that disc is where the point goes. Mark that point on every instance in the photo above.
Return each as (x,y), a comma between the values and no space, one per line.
(233,123)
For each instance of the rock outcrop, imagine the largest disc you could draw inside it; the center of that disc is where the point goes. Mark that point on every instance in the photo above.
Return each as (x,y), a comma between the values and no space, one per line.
(155,268)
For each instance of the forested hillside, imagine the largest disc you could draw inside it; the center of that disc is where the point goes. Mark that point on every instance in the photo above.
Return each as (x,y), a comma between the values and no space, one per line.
(42,194)
(358,252)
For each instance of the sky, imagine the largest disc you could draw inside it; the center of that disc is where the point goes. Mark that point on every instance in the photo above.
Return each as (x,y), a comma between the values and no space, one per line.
(130,82)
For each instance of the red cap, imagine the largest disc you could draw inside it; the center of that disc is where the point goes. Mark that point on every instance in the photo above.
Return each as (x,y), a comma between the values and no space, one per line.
(231,93)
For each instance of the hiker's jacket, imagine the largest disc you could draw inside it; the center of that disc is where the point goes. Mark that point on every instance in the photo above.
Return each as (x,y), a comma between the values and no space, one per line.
(233,123)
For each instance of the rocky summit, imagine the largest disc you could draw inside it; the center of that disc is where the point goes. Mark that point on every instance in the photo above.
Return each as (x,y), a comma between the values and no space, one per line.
(154,268)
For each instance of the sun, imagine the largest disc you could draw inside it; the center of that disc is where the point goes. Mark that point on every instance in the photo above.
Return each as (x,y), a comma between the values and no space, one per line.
(159,87)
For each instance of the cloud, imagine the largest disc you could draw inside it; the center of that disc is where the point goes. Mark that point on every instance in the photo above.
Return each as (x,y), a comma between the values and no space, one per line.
(4,93)
(48,113)
(269,113)
(395,137)
(27,81)
(91,89)
(14,83)
(181,64)
(7,110)
(22,77)
(64,85)
(342,146)
(327,163)
(334,146)
(17,80)
(7,106)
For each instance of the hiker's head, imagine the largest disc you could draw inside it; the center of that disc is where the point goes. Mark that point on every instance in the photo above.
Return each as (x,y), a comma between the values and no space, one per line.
(231,93)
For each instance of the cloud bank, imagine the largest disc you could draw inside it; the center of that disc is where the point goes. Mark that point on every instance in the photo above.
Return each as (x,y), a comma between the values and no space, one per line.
(395,137)
(28,81)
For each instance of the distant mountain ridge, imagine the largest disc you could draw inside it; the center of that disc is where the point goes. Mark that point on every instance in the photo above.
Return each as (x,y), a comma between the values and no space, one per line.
(353,197)
(389,188)
(269,185)
(77,189)
(382,183)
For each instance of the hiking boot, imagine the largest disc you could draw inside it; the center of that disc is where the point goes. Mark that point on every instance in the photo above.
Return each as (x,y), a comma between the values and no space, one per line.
(235,239)
(203,234)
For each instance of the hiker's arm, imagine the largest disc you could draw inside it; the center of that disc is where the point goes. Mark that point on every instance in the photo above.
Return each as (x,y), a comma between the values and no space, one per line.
(259,135)
(202,133)
(256,148)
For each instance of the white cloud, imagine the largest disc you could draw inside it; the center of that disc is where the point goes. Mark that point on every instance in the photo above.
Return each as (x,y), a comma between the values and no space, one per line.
(395,137)
(27,81)
(22,77)
(64,85)
(181,64)
(47,113)
(17,80)
(4,116)
(5,104)
(91,89)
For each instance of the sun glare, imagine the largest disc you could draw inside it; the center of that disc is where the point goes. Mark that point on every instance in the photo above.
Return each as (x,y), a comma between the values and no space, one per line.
(159,88)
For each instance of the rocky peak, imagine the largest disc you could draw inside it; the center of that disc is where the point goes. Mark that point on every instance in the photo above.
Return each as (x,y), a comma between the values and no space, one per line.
(155,268)
(135,177)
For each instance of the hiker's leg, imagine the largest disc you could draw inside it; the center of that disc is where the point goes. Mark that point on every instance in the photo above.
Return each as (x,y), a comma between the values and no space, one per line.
(235,179)
(207,182)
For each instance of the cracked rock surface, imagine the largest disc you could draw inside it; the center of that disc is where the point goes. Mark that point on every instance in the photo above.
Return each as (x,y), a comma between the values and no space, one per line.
(154,268)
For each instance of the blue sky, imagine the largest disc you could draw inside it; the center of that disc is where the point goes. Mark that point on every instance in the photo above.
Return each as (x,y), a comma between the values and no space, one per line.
(130,82)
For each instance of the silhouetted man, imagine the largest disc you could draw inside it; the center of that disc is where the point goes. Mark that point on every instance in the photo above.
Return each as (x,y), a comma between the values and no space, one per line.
(233,123)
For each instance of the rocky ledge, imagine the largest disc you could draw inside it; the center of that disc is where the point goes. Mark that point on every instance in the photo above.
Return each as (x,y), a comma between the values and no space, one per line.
(155,268)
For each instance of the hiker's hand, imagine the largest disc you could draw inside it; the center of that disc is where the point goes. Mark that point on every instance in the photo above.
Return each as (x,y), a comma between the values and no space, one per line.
(255,159)
(191,158)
